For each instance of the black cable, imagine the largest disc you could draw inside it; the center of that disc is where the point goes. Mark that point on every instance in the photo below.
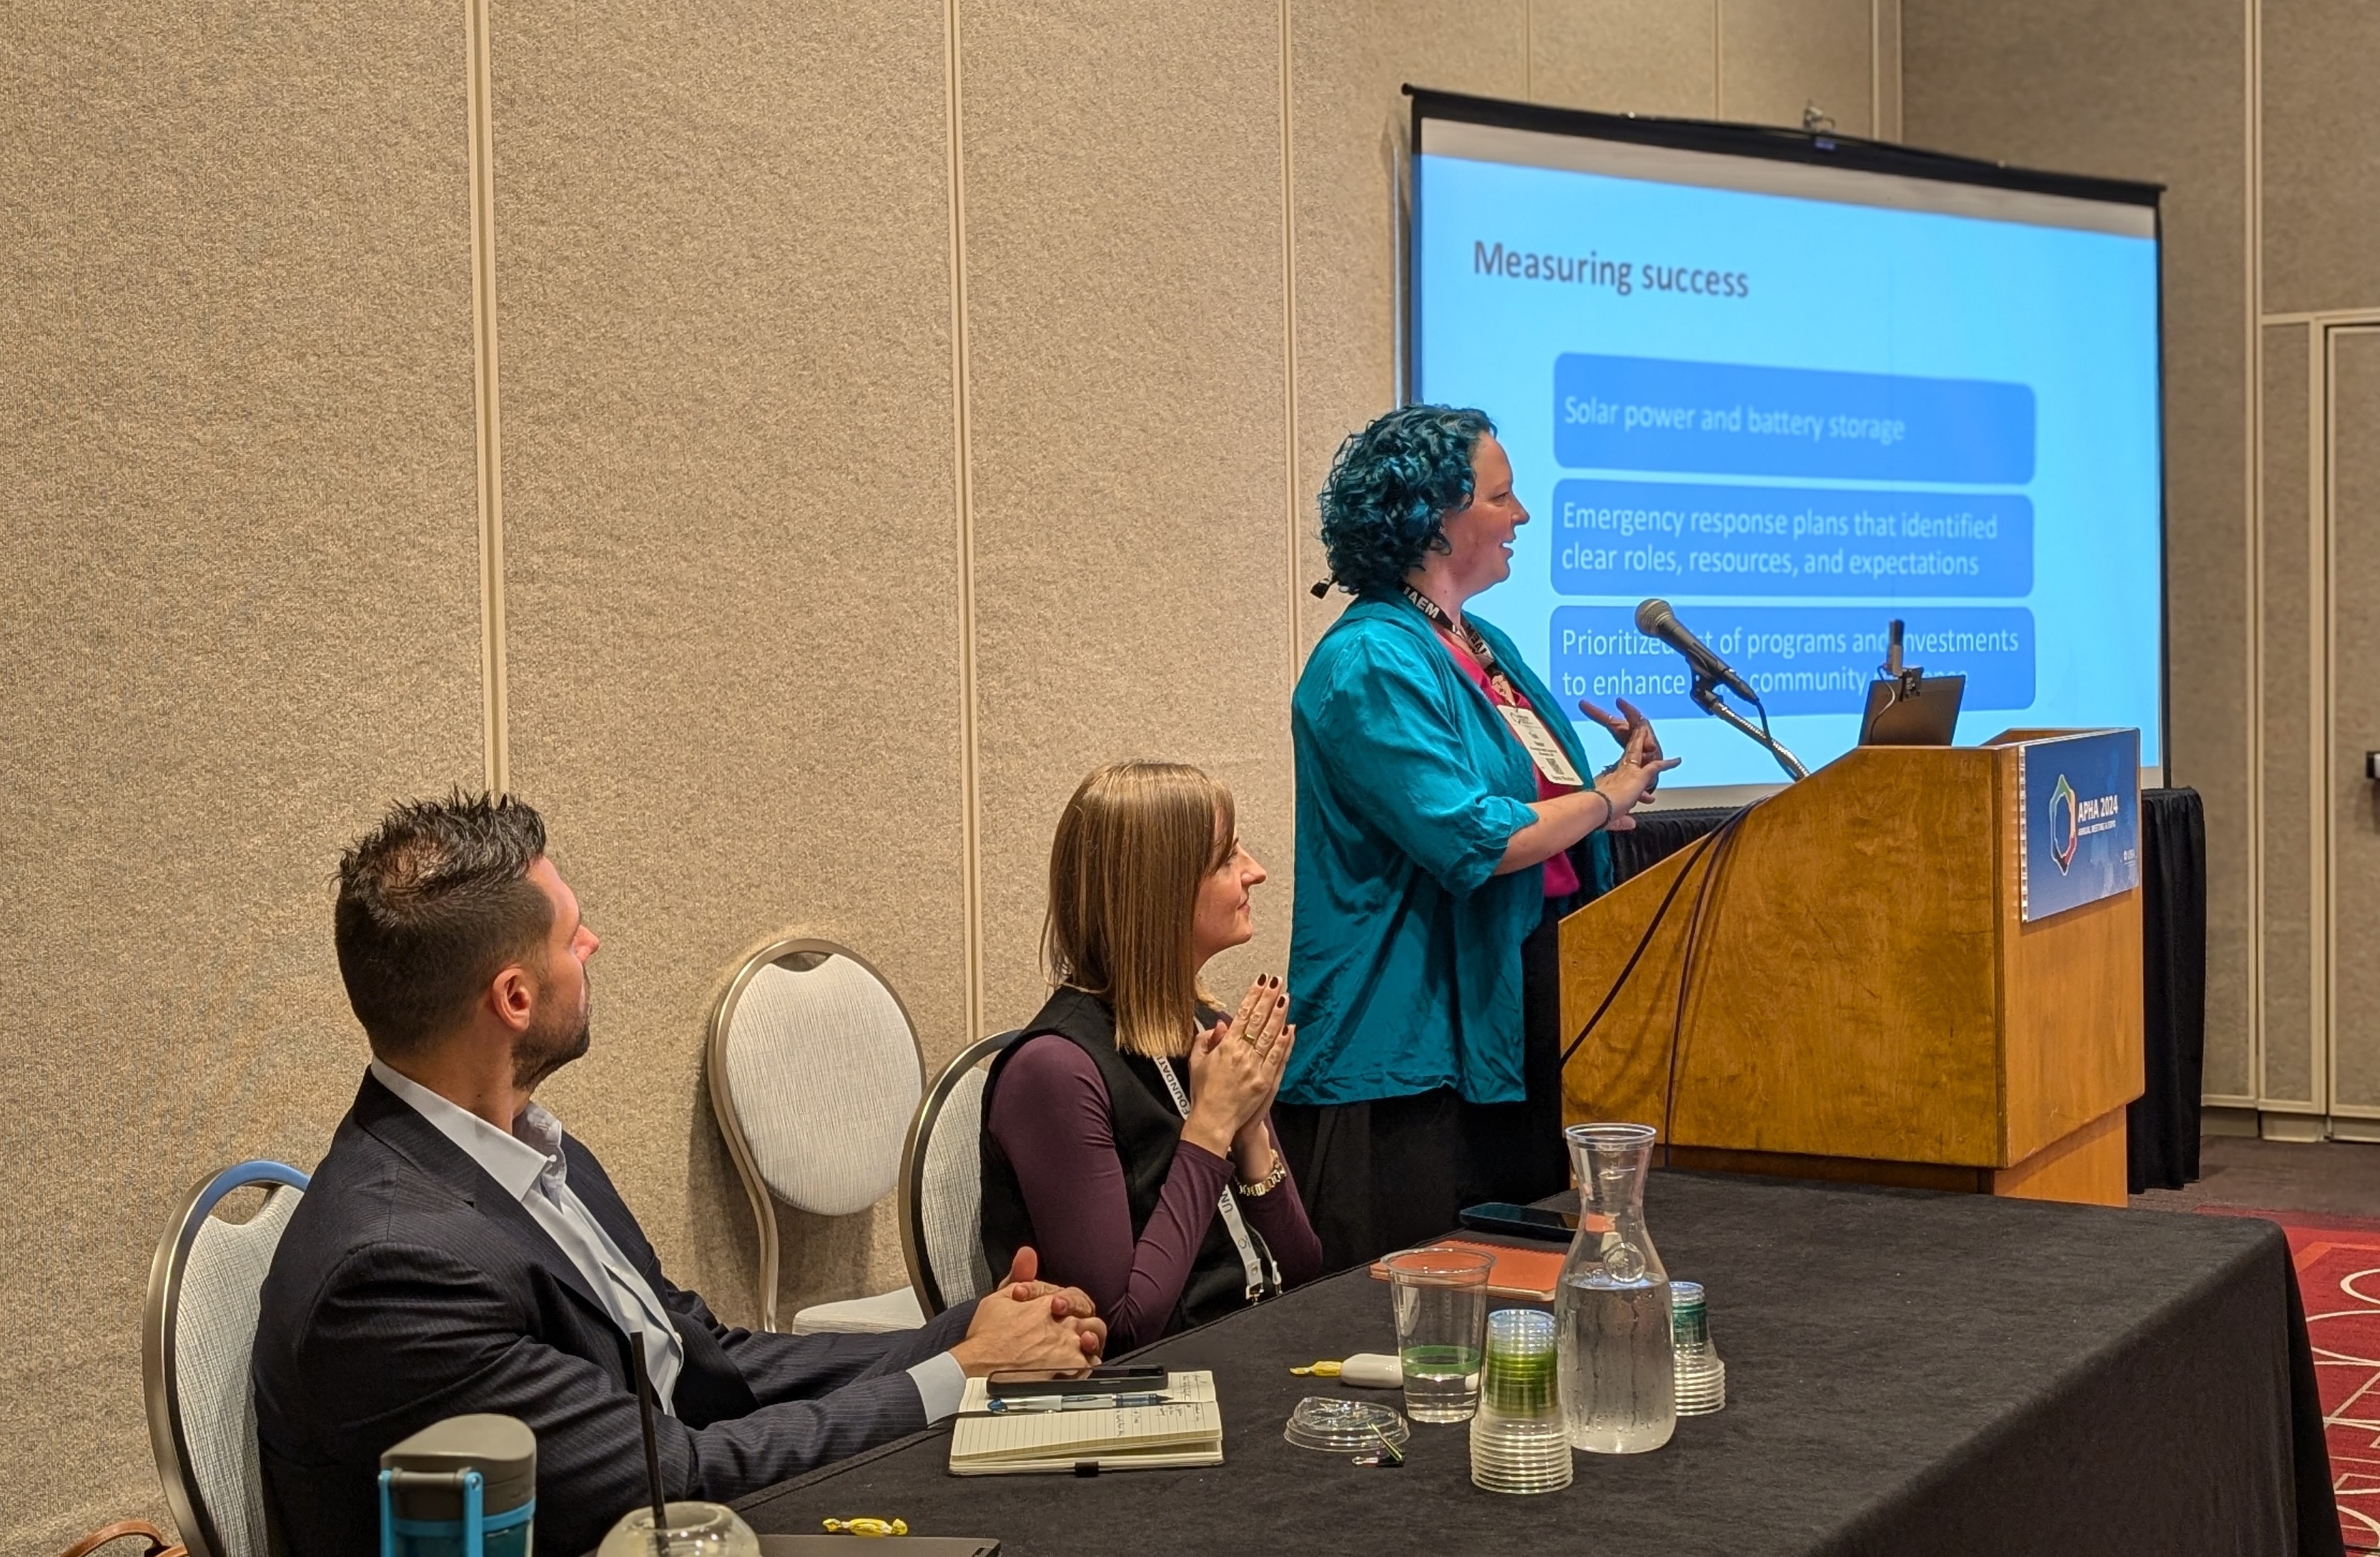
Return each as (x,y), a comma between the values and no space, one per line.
(1643,941)
(1722,841)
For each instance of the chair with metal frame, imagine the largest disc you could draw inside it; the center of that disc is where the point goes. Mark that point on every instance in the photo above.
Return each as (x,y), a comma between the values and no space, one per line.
(815,1071)
(198,1332)
(942,1181)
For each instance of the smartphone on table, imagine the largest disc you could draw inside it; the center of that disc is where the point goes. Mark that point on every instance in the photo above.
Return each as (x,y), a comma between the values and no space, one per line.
(1526,1221)
(1117,1378)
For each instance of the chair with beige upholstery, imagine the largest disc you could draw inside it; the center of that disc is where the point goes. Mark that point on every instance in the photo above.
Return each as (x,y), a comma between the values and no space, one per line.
(197,1334)
(815,1073)
(942,1183)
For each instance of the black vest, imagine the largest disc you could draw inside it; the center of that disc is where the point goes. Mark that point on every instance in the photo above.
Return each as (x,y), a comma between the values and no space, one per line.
(1147,1129)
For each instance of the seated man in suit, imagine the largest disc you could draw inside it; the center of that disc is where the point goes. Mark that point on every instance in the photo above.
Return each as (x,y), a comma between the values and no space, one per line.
(458,1252)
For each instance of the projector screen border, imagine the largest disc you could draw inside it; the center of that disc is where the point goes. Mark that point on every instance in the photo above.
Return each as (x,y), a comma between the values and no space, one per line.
(1815,148)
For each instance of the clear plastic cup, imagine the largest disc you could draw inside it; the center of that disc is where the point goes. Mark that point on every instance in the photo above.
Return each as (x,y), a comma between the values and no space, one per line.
(1519,1441)
(1441,1297)
(1702,1377)
(695,1529)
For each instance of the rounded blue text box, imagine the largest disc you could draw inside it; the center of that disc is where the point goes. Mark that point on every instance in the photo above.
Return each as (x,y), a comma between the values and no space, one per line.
(1803,659)
(1652,537)
(1720,418)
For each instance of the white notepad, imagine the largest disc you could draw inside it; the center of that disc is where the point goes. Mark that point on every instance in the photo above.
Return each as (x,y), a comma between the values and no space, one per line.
(1186,1430)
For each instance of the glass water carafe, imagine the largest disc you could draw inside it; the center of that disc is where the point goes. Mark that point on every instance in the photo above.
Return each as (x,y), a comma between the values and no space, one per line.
(1611,1315)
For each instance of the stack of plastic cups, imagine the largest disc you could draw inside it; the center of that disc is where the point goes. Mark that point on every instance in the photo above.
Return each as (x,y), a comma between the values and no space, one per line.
(1702,1377)
(1519,1442)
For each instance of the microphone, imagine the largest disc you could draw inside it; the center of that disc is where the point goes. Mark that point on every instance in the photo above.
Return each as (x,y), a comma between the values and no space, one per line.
(1654,619)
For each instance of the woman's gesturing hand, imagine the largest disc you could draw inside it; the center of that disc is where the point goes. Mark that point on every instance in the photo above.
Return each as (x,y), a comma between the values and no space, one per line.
(1639,769)
(1235,1068)
(1622,728)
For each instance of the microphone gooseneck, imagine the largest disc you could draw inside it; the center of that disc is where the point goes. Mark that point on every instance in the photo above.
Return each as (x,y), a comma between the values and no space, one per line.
(1654,619)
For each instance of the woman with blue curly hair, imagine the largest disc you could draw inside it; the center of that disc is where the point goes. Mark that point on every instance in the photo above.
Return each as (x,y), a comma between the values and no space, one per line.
(1443,821)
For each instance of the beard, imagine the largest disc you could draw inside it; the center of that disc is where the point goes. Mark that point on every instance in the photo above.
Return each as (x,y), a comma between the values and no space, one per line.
(549,1046)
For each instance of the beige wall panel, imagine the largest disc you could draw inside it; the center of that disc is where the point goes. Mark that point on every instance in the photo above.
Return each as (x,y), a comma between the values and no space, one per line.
(1777,55)
(2099,86)
(732,549)
(1129,433)
(2321,154)
(1625,56)
(2290,776)
(1348,136)
(238,571)
(2355,688)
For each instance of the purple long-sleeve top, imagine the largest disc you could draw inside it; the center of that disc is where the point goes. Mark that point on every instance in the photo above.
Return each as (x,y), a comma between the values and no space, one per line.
(1050,1115)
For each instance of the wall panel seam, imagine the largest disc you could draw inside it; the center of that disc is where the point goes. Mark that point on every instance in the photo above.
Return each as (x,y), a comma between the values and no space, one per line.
(2316,517)
(2321,720)
(1289,337)
(1718,61)
(1900,71)
(2251,215)
(962,443)
(494,724)
(2312,591)
(1876,69)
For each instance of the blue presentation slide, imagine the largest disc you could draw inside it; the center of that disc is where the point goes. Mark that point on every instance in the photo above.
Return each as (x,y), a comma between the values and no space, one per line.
(1795,420)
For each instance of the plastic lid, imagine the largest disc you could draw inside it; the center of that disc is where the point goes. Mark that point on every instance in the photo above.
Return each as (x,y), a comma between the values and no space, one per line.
(1343,1426)
(500,1448)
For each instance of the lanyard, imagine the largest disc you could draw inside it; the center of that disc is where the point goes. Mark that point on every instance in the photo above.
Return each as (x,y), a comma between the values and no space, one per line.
(1263,1276)
(1544,750)
(1468,635)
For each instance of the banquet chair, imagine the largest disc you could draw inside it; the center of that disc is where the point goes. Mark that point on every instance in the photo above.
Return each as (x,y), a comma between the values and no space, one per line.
(815,1071)
(942,1183)
(158,1543)
(196,1332)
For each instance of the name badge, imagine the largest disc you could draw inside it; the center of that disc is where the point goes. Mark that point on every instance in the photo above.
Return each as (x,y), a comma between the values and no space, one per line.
(1543,750)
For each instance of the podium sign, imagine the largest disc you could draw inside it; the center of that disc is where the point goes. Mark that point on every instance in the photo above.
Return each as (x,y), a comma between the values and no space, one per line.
(2078,804)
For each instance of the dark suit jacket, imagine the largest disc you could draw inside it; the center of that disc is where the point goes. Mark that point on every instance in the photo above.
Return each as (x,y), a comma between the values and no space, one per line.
(410,1287)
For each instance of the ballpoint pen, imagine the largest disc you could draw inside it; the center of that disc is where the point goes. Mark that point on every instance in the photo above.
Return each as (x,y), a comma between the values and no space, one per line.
(1074,1402)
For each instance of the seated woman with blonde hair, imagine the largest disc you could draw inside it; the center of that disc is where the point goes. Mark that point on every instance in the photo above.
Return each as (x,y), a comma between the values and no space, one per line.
(1127,1136)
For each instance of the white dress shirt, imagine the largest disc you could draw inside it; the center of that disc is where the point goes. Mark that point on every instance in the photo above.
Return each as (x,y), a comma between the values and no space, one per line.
(528,1163)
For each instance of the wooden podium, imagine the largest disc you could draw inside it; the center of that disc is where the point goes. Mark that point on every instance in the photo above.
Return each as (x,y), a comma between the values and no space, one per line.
(1866,1001)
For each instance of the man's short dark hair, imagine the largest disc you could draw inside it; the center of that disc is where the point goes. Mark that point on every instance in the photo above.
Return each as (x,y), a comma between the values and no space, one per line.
(432,904)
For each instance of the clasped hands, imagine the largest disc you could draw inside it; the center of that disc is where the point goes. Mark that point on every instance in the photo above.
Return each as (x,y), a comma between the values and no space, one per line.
(1235,1070)
(1029,1323)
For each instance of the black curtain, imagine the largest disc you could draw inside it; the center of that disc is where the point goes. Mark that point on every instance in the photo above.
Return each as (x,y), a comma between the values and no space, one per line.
(2173,967)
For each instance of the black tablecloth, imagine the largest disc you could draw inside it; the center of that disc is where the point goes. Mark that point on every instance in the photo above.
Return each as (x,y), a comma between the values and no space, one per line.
(1906,1373)
(2163,1121)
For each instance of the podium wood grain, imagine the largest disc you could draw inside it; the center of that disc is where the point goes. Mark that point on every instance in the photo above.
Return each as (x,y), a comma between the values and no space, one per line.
(1866,1002)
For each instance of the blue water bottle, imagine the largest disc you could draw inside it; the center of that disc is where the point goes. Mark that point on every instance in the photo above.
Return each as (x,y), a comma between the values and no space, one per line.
(466,1487)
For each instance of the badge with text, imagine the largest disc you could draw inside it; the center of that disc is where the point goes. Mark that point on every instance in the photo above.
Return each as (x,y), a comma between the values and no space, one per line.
(2078,799)
(1544,750)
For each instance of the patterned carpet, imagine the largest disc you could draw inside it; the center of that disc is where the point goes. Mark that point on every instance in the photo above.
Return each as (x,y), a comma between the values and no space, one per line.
(2338,1275)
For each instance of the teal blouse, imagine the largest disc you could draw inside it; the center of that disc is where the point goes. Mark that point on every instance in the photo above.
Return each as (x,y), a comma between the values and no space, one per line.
(1404,956)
